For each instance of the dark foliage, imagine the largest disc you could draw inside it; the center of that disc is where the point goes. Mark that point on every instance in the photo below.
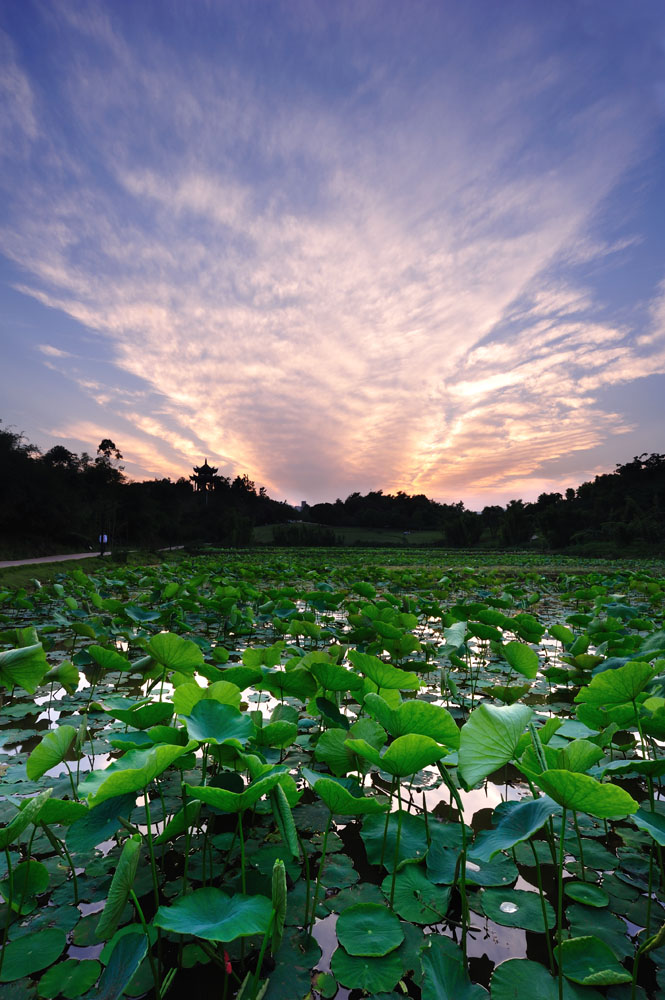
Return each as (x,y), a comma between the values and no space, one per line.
(60,499)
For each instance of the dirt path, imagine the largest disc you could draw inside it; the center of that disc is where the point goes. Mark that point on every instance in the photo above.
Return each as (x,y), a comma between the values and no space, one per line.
(50,559)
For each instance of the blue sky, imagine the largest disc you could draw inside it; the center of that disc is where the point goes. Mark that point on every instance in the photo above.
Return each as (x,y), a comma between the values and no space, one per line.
(337,246)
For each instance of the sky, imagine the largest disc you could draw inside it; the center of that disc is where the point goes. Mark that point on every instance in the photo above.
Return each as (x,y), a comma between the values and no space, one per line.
(337,246)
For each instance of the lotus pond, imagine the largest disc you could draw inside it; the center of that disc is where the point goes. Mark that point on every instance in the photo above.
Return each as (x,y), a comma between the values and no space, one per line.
(318,774)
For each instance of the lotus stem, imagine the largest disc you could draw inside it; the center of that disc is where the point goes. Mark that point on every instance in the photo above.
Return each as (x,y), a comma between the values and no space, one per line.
(541,893)
(264,945)
(151,958)
(321,864)
(5,932)
(559,902)
(397,840)
(579,844)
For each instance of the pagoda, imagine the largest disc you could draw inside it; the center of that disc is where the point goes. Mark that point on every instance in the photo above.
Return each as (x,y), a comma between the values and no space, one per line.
(204,477)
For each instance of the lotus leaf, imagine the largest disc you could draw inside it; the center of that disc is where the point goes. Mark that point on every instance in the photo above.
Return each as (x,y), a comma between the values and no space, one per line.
(31,953)
(23,667)
(214,722)
(369,929)
(51,751)
(70,978)
(589,961)
(369,974)
(516,822)
(415,717)
(212,915)
(384,675)
(128,952)
(406,755)
(489,739)
(445,975)
(416,898)
(520,977)
(130,773)
(516,908)
(584,794)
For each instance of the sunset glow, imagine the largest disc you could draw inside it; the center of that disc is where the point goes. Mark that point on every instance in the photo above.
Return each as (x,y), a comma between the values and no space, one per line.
(337,246)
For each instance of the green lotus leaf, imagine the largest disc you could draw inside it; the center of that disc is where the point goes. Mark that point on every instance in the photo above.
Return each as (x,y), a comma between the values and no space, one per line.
(515,822)
(616,687)
(415,717)
(214,722)
(332,677)
(175,653)
(584,794)
(589,961)
(233,802)
(24,667)
(28,814)
(516,908)
(521,658)
(276,734)
(31,953)
(64,673)
(62,811)
(28,879)
(587,893)
(108,659)
(132,772)
(442,868)
(652,822)
(609,928)
(369,974)
(520,977)
(445,975)
(70,978)
(297,682)
(384,675)
(50,751)
(416,898)
(98,824)
(144,716)
(413,838)
(241,676)
(128,951)
(369,929)
(406,755)
(120,888)
(339,800)
(212,915)
(331,748)
(186,696)
(180,822)
(489,739)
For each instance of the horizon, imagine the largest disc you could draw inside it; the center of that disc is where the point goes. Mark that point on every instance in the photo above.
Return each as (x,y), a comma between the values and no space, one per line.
(337,248)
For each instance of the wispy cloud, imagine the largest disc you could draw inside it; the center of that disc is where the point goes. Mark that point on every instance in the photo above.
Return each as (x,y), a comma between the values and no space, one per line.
(368,287)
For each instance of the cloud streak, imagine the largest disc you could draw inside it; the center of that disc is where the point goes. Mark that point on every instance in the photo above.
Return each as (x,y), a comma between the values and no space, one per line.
(364,288)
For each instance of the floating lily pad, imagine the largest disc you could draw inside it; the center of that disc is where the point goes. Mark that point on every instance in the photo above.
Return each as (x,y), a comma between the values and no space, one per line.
(211,914)
(587,893)
(590,962)
(445,975)
(516,908)
(368,929)
(31,953)
(369,974)
(517,978)
(416,898)
(70,978)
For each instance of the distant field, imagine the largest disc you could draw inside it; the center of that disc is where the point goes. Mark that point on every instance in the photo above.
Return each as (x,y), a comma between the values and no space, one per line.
(358,536)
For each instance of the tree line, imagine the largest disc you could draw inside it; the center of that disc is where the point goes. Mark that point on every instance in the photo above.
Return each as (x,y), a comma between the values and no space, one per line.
(58,500)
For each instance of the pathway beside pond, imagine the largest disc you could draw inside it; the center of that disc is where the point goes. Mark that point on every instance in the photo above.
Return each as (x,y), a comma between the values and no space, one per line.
(50,559)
